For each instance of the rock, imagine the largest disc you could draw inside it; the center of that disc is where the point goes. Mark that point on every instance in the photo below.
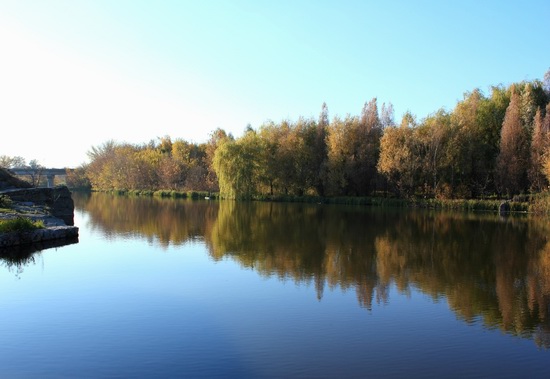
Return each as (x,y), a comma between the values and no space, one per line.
(38,235)
(8,181)
(53,206)
(57,200)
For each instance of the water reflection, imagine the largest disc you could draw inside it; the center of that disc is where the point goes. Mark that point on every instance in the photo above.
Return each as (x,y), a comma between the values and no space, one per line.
(15,258)
(166,221)
(488,269)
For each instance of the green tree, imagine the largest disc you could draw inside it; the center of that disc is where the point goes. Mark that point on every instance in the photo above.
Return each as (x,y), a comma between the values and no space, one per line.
(237,166)
(216,137)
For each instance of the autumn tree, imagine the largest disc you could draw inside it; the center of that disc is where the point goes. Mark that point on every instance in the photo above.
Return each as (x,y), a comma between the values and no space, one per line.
(432,137)
(340,153)
(387,115)
(365,175)
(399,159)
(539,146)
(513,158)
(546,151)
(353,149)
(546,84)
(320,152)
(77,178)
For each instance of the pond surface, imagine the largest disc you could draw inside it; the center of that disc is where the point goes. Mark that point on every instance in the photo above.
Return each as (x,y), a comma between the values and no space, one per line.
(174,288)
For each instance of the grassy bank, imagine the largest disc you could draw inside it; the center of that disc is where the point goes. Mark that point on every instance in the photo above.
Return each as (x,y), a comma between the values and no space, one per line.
(194,195)
(538,203)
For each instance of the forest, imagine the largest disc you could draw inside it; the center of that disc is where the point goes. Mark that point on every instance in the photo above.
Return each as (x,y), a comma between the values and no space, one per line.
(493,145)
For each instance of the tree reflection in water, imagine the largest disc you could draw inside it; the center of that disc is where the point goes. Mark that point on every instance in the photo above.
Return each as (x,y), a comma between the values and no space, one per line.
(488,268)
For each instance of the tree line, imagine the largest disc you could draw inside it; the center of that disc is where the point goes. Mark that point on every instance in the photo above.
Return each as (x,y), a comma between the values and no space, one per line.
(488,145)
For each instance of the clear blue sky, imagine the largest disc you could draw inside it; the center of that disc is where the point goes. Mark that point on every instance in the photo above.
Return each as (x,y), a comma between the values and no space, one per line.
(74,74)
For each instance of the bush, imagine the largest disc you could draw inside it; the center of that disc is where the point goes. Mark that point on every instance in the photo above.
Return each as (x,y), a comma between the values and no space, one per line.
(19,224)
(5,201)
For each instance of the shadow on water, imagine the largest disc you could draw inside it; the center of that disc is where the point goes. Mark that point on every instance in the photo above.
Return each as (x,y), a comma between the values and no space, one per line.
(489,269)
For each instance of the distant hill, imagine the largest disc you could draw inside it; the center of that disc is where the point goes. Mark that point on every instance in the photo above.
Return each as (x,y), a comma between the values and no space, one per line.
(8,181)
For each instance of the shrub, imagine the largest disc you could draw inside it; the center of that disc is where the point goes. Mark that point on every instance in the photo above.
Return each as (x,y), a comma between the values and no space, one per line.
(19,224)
(5,201)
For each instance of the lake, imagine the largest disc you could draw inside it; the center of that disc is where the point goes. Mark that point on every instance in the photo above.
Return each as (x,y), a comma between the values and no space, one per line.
(165,288)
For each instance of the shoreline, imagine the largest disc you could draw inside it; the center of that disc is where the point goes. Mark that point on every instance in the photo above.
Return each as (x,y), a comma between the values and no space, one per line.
(54,228)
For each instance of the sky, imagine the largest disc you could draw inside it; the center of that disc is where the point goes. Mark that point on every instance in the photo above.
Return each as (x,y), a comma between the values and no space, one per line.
(75,74)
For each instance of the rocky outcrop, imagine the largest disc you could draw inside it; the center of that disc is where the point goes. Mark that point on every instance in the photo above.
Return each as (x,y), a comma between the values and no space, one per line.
(53,206)
(8,181)
(57,201)
(38,235)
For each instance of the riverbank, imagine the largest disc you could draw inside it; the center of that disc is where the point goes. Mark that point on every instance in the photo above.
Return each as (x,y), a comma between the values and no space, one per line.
(54,227)
(47,214)
(536,203)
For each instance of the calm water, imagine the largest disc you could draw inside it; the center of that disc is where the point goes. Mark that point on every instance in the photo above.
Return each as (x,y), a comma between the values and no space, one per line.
(165,288)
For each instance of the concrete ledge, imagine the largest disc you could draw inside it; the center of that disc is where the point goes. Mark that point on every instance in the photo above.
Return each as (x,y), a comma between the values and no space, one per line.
(38,235)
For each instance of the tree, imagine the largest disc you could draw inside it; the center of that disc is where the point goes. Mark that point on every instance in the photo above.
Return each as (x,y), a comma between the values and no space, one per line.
(365,175)
(35,171)
(474,143)
(387,115)
(433,136)
(77,178)
(341,153)
(514,149)
(539,145)
(546,84)
(546,151)
(321,151)
(237,166)
(216,138)
(399,158)
(12,162)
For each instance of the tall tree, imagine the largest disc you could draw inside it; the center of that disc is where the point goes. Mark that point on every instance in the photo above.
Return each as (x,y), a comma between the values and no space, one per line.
(539,145)
(387,115)
(341,145)
(216,138)
(433,136)
(368,149)
(399,156)
(321,152)
(513,158)
(546,84)
(546,150)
